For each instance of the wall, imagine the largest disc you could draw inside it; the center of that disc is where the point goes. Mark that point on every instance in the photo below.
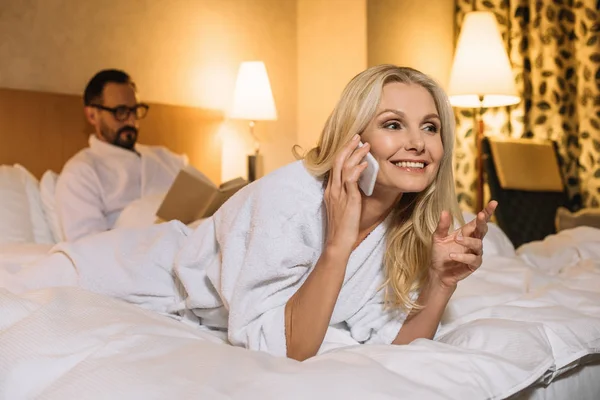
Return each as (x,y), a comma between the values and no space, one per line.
(42,130)
(417,34)
(181,52)
(339,38)
(332,48)
(186,52)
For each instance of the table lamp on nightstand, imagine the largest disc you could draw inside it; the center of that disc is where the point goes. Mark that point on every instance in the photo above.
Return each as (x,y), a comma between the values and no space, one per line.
(253,101)
(481,77)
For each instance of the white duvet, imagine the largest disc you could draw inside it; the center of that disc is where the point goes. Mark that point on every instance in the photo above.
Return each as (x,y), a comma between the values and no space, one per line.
(13,256)
(519,320)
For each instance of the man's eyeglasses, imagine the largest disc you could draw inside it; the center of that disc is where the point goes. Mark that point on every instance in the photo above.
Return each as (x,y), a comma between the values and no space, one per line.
(121,113)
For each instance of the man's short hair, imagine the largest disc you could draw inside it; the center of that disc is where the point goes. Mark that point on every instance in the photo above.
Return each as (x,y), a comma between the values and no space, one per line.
(95,87)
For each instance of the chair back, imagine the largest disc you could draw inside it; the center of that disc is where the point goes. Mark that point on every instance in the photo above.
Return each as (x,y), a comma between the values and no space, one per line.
(525,178)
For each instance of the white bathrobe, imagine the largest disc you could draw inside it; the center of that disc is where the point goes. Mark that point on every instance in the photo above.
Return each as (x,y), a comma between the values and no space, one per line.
(102,179)
(257,251)
(237,269)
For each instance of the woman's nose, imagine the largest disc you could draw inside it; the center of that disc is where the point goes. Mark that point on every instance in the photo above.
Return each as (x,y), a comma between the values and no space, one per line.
(415,142)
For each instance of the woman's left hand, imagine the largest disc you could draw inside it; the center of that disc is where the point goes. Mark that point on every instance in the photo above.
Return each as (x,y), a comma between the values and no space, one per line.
(458,254)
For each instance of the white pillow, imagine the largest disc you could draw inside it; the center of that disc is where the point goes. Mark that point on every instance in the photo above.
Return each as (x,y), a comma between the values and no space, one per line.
(41,230)
(566,219)
(47,190)
(495,241)
(15,217)
(140,213)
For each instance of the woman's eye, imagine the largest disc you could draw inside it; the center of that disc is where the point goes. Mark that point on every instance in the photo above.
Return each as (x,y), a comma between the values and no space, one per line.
(392,125)
(431,128)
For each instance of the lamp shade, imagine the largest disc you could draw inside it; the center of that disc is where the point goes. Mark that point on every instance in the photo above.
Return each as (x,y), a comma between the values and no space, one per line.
(481,67)
(252,98)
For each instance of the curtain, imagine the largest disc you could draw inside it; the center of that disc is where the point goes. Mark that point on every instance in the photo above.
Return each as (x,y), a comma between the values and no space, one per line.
(554,48)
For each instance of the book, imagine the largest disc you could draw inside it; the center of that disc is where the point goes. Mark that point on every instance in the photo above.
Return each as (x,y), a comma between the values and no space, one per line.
(193,196)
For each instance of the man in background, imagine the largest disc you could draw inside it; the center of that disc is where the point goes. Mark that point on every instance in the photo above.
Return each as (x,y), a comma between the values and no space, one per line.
(98,182)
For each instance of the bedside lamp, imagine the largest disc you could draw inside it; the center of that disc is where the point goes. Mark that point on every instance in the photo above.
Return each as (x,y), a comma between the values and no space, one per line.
(481,76)
(253,101)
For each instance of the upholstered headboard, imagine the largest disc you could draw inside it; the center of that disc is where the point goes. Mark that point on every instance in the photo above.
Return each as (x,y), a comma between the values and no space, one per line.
(42,131)
(526,164)
(524,177)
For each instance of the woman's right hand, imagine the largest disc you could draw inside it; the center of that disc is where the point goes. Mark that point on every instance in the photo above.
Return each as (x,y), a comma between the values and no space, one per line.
(343,197)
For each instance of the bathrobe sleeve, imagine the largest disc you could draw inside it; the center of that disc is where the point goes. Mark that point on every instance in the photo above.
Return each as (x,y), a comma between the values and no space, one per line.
(276,260)
(79,202)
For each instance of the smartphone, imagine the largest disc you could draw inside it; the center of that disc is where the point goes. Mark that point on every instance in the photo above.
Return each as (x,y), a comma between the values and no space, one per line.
(367,179)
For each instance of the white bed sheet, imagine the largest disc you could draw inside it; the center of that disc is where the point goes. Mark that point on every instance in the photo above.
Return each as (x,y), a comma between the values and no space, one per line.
(67,343)
(510,328)
(582,383)
(14,255)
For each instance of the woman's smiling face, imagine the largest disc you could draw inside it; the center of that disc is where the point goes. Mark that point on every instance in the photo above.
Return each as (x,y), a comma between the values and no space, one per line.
(405,138)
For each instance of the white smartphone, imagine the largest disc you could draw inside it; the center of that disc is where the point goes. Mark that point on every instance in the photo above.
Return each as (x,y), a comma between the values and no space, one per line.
(367,179)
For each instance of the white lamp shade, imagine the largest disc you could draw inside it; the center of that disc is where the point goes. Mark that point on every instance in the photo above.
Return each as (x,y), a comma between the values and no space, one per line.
(481,66)
(252,98)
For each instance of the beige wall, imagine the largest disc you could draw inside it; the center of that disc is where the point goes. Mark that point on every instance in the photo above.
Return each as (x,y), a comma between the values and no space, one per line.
(332,48)
(187,52)
(417,34)
(179,51)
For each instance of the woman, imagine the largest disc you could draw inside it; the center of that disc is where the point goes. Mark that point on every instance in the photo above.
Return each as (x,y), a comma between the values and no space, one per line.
(301,260)
(304,253)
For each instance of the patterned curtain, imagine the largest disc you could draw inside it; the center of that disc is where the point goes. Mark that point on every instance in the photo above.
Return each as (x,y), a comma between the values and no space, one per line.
(554,48)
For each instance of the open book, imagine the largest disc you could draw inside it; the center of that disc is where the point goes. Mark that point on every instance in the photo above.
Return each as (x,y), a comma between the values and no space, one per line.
(193,196)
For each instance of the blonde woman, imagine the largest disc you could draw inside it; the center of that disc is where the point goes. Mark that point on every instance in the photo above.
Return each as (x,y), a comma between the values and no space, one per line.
(301,260)
(306,258)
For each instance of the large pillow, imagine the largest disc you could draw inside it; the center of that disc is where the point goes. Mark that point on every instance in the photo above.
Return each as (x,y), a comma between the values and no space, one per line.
(140,213)
(15,217)
(495,242)
(48,194)
(41,229)
(566,219)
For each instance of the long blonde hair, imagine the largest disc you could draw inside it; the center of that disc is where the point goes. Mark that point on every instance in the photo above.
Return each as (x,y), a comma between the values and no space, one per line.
(415,217)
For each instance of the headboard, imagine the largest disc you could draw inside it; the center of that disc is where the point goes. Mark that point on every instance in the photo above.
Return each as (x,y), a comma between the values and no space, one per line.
(42,131)
(524,177)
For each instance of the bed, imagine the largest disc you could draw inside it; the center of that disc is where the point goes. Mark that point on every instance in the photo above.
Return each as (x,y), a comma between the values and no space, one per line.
(526,325)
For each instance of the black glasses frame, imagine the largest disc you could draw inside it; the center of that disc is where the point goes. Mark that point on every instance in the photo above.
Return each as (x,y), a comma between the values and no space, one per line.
(121,113)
